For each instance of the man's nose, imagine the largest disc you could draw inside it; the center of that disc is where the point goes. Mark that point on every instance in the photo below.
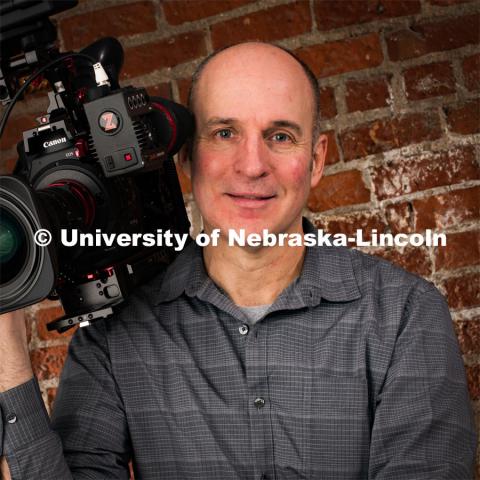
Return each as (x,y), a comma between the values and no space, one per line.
(252,158)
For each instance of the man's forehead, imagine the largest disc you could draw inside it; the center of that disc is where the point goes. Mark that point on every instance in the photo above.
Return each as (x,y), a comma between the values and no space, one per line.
(251,51)
(250,72)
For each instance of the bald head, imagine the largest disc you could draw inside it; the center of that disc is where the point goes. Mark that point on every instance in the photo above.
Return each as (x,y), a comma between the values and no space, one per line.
(271,61)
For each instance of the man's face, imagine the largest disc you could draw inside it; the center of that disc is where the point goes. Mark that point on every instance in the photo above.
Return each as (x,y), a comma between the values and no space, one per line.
(253,161)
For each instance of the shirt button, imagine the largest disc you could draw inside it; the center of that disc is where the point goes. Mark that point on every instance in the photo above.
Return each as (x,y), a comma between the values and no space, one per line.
(259,402)
(243,329)
(11,418)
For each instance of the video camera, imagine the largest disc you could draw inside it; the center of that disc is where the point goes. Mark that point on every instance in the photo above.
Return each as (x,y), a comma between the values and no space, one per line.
(99,159)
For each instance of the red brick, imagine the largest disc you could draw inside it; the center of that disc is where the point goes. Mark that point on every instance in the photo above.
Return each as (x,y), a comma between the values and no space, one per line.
(471,72)
(333,58)
(167,52)
(29,323)
(48,362)
(19,122)
(462,250)
(332,148)
(8,159)
(51,394)
(468,334)
(429,80)
(14,129)
(413,259)
(275,23)
(344,188)
(389,133)
(367,94)
(10,164)
(46,315)
(430,37)
(473,375)
(184,88)
(349,223)
(464,119)
(400,217)
(328,107)
(180,11)
(448,209)
(446,3)
(463,291)
(334,14)
(160,90)
(185,183)
(121,19)
(407,175)
(37,90)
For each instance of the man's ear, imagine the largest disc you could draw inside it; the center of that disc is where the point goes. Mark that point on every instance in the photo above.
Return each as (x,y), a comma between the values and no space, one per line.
(318,162)
(184,159)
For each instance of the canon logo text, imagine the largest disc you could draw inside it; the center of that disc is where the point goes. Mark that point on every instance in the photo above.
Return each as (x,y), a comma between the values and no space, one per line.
(51,143)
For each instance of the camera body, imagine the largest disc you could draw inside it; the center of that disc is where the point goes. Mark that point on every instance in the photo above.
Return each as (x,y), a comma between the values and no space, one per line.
(100,159)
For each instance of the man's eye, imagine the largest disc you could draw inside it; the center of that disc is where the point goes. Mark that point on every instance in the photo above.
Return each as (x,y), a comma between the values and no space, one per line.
(281,137)
(224,133)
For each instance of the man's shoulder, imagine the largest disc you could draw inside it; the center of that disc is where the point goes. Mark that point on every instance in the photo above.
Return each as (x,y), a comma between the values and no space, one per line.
(388,298)
(382,272)
(333,267)
(373,273)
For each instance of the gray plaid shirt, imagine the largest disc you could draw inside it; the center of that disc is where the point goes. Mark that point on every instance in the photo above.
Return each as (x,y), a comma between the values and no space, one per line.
(354,373)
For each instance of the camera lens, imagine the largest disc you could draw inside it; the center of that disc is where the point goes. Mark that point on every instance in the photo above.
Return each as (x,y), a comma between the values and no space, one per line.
(13,246)
(26,270)
(20,258)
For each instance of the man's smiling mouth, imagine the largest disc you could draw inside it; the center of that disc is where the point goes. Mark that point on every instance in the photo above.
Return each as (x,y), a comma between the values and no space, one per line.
(250,199)
(251,196)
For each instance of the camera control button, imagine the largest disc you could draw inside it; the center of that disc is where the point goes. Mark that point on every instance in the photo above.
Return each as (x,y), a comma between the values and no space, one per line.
(111,291)
(127,158)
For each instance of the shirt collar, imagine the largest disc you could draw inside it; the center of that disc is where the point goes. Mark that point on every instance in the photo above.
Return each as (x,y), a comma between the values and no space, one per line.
(327,273)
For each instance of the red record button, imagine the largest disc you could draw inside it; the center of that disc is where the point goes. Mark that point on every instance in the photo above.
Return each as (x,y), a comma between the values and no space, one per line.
(127,157)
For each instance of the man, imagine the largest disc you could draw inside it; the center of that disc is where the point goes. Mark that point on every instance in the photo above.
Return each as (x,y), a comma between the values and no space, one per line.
(252,363)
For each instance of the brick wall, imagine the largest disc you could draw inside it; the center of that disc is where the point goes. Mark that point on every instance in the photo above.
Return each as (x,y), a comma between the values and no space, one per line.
(400,84)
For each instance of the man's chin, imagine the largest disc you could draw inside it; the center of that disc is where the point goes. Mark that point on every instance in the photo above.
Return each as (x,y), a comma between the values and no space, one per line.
(255,231)
(241,227)
(250,228)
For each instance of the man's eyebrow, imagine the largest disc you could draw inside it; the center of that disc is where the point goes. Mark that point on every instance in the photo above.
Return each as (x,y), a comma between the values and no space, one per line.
(220,121)
(287,124)
(213,121)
